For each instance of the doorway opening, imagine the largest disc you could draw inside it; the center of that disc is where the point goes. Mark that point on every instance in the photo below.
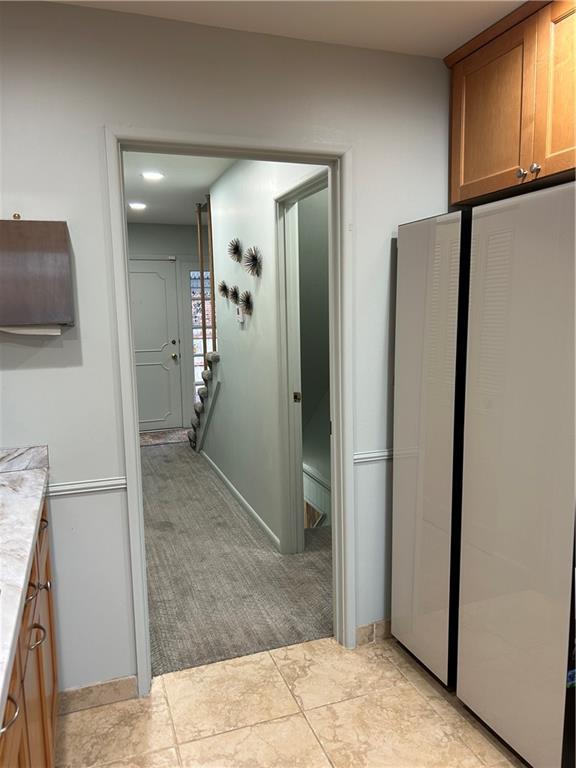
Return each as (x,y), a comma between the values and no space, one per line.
(238,546)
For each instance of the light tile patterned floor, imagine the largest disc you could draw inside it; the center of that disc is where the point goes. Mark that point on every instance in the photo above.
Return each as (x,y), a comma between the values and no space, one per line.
(312,705)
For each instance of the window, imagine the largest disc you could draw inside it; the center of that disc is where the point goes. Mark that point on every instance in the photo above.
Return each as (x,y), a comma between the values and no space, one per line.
(196,307)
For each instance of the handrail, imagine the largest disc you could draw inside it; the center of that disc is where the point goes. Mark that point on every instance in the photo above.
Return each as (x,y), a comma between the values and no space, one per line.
(201,258)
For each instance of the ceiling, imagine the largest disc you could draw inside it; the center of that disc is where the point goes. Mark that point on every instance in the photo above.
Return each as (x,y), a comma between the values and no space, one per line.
(172,200)
(419,27)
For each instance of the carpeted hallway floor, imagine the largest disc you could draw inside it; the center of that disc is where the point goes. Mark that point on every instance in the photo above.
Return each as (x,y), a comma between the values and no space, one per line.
(217,586)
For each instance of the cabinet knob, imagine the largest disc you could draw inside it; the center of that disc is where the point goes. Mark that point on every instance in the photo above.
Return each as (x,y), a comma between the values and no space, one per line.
(521,173)
(14,717)
(47,586)
(535,168)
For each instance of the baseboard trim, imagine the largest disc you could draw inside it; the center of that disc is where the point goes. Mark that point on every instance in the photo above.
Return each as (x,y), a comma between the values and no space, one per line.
(372,633)
(367,457)
(242,501)
(108,692)
(100,485)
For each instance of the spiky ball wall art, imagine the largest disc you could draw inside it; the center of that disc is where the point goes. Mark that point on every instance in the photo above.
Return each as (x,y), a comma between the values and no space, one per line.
(253,261)
(223,289)
(246,303)
(234,294)
(235,250)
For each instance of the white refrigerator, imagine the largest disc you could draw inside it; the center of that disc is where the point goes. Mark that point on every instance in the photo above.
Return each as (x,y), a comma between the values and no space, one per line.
(484,481)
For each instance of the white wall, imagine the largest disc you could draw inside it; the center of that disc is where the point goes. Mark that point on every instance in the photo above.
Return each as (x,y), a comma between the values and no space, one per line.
(244,438)
(66,73)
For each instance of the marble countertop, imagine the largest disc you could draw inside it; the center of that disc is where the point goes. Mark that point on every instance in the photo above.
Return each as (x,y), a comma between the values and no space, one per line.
(23,483)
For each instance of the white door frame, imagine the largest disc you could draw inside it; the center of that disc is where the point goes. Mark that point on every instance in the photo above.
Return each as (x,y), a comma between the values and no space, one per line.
(289,344)
(339,160)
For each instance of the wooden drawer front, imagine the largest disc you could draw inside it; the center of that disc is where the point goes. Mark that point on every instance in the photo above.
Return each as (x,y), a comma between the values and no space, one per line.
(14,741)
(29,615)
(555,124)
(492,114)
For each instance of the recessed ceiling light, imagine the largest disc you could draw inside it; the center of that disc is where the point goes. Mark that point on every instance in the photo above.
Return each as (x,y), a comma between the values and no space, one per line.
(152,175)
(137,206)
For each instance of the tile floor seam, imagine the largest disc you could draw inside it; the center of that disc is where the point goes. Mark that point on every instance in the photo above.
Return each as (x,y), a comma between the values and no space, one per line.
(446,721)
(322,747)
(301,709)
(239,728)
(302,712)
(171,720)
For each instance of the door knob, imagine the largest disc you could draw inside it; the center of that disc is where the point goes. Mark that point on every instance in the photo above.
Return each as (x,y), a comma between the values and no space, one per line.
(535,168)
(174,356)
(521,173)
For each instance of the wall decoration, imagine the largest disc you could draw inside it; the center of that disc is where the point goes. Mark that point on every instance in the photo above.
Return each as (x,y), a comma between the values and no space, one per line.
(246,303)
(234,294)
(253,261)
(235,250)
(223,289)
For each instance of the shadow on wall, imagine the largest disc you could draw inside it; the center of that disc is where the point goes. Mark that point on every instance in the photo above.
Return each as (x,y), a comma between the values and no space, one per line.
(390,430)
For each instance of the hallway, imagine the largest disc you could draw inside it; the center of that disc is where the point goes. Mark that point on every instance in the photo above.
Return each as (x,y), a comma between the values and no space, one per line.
(217,586)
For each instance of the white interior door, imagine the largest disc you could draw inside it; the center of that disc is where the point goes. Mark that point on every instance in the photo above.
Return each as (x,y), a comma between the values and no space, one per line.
(154,307)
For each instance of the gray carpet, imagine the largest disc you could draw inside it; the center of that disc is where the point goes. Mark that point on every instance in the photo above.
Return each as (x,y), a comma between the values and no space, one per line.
(217,586)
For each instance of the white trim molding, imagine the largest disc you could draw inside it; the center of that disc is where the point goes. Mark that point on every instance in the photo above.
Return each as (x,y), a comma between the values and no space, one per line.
(368,457)
(242,501)
(77,487)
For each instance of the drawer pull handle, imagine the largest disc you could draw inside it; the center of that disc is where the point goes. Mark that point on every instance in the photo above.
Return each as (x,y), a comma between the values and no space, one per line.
(14,717)
(43,524)
(47,586)
(41,629)
(36,589)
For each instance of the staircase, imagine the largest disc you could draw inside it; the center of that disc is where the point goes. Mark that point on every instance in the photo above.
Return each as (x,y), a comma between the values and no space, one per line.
(203,408)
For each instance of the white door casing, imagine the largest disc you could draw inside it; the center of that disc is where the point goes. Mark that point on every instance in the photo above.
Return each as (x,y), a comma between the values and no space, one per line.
(154,312)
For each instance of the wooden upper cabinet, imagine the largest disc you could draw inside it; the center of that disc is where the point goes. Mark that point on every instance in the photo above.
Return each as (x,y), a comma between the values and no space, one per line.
(513,106)
(555,120)
(493,93)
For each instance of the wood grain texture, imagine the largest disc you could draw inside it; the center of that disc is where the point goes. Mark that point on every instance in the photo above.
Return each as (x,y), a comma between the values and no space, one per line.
(555,124)
(487,35)
(492,114)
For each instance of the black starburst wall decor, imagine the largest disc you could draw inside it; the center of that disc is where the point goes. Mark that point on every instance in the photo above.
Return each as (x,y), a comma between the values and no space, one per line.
(223,289)
(253,261)
(235,250)
(246,303)
(234,294)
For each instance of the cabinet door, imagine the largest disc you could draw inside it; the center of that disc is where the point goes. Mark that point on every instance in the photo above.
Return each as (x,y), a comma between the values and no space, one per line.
(46,653)
(13,739)
(555,124)
(493,114)
(33,696)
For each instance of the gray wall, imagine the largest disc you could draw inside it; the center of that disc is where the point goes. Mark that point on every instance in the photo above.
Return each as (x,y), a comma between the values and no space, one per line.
(68,71)
(163,241)
(244,439)
(313,273)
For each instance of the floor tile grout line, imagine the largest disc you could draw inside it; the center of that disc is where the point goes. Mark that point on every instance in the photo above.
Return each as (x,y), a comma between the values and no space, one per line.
(170,715)
(318,740)
(239,728)
(286,683)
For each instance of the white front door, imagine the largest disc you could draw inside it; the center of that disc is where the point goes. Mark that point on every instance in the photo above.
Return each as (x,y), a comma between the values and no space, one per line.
(154,307)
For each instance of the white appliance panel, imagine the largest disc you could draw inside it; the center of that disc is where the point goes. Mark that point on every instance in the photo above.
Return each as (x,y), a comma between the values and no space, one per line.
(425,362)
(519,471)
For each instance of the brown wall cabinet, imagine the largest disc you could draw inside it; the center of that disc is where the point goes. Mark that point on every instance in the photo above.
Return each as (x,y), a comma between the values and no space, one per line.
(28,729)
(513,108)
